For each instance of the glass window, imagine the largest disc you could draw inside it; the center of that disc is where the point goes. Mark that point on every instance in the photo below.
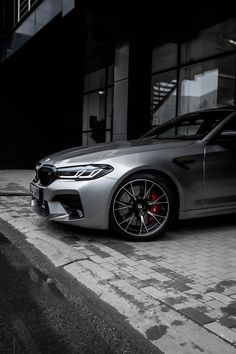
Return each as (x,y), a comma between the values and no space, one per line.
(110,75)
(109,111)
(95,80)
(163,97)
(211,41)
(206,85)
(96,136)
(192,126)
(164,57)
(93,110)
(97,116)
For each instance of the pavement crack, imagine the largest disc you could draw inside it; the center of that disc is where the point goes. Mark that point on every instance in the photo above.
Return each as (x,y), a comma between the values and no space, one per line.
(75,260)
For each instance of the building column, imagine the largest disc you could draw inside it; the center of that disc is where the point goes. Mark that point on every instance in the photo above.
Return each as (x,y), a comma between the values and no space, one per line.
(67,6)
(120,99)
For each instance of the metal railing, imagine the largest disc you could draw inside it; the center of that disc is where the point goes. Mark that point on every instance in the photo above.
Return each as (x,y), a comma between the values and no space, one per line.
(22,8)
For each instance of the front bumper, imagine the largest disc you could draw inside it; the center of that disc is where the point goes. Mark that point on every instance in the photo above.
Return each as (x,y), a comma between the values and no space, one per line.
(81,203)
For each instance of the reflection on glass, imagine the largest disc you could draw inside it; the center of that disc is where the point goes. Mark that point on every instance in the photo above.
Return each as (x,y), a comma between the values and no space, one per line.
(93,110)
(97,116)
(163,97)
(207,85)
(211,41)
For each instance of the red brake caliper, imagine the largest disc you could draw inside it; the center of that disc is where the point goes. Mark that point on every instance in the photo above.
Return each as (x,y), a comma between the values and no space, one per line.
(153,208)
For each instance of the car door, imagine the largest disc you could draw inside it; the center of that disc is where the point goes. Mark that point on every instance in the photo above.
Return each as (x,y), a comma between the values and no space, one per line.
(220,169)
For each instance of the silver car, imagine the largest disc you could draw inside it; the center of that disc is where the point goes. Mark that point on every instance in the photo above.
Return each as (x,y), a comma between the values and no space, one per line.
(185,168)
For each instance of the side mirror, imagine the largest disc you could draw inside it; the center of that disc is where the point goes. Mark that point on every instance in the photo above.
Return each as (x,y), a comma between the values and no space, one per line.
(226,138)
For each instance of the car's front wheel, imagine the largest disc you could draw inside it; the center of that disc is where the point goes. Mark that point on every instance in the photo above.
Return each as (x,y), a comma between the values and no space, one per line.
(142,207)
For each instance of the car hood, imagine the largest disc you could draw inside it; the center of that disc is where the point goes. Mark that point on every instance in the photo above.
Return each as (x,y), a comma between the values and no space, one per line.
(101,152)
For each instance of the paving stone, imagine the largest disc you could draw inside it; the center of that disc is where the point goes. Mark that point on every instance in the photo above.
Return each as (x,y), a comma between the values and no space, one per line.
(201,273)
(158,276)
(198,287)
(109,266)
(140,275)
(99,252)
(88,253)
(203,281)
(139,253)
(97,270)
(136,282)
(197,295)
(225,299)
(203,308)
(228,321)
(228,292)
(152,258)
(215,304)
(230,309)
(156,293)
(177,285)
(165,264)
(126,267)
(189,302)
(156,283)
(215,314)
(96,259)
(129,261)
(147,263)
(121,274)
(143,269)
(120,247)
(222,331)
(196,316)
(116,255)
(79,248)
(120,264)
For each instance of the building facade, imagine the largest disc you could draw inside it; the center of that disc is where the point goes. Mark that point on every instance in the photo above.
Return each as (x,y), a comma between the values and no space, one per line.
(82,72)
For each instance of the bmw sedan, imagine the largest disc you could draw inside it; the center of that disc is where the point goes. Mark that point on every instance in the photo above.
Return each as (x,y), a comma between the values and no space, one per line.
(185,168)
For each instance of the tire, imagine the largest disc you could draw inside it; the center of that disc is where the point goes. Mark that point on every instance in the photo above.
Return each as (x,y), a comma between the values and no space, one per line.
(142,207)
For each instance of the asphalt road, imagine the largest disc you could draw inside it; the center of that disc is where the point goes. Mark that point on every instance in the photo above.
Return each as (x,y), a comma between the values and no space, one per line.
(35,317)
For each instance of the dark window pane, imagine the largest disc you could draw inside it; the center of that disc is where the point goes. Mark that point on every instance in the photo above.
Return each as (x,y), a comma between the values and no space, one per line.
(95,80)
(164,57)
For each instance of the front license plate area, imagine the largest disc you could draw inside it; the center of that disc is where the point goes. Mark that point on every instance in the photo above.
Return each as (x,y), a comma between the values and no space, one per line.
(36,192)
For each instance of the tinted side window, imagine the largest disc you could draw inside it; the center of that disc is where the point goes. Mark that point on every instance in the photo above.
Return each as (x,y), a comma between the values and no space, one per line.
(194,126)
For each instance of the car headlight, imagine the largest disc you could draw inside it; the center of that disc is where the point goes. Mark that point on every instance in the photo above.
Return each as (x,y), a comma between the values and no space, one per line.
(83,172)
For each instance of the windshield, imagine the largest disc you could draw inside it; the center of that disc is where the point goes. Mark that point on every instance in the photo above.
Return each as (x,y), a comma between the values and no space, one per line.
(192,126)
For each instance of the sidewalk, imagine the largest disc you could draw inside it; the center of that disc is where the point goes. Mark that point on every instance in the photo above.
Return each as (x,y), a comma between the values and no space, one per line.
(15,182)
(179,291)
